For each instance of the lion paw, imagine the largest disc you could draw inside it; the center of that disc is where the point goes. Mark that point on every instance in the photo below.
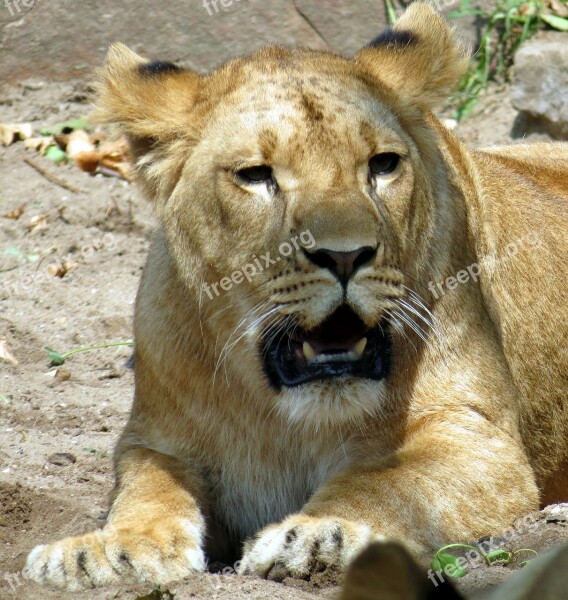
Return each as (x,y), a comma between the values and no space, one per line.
(156,553)
(302,545)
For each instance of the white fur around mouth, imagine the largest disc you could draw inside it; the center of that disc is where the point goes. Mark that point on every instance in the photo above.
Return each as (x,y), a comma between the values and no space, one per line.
(354,354)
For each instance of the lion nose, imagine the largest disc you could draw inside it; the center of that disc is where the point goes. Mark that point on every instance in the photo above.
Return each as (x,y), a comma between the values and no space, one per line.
(342,264)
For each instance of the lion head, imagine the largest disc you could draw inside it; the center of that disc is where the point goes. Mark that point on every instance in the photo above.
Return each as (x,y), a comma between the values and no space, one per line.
(300,194)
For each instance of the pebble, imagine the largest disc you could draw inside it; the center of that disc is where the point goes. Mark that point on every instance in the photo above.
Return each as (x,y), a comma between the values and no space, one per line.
(62,459)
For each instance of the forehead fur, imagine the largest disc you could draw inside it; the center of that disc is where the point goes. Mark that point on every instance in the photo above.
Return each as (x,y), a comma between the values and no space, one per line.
(285,83)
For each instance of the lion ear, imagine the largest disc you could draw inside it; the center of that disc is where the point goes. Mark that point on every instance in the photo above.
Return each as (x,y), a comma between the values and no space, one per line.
(150,101)
(419,58)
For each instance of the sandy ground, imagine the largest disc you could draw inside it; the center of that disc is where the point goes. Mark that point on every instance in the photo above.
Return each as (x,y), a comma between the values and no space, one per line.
(58,425)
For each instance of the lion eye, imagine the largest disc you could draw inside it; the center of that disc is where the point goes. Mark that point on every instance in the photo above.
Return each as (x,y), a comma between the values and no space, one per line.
(383,164)
(260,174)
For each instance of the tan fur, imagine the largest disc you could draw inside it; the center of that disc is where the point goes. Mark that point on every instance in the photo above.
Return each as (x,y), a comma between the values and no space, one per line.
(470,429)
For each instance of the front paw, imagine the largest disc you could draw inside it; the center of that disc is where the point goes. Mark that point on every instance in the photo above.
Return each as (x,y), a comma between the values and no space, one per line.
(302,545)
(156,552)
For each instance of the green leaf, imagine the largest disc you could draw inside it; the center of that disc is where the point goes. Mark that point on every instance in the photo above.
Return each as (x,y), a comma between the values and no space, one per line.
(556,22)
(497,555)
(55,357)
(442,560)
(55,154)
(528,560)
(66,127)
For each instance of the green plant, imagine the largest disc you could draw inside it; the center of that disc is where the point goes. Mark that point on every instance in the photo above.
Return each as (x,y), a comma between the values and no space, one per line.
(391,12)
(511,23)
(59,358)
(443,559)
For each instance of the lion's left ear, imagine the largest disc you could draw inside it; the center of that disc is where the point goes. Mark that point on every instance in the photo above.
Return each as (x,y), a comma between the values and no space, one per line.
(419,58)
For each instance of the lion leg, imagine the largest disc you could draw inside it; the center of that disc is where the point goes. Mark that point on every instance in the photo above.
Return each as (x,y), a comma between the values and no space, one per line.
(450,482)
(154,532)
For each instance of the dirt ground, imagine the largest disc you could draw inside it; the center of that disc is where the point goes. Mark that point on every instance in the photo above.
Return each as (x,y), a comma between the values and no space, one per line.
(58,425)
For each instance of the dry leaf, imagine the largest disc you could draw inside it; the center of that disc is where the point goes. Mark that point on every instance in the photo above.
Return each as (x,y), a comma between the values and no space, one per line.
(79,141)
(41,144)
(559,8)
(123,169)
(109,158)
(88,161)
(37,222)
(12,132)
(61,269)
(5,354)
(15,214)
(61,140)
(116,157)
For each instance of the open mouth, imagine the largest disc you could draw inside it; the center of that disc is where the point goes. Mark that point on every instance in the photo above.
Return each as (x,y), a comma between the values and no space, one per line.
(341,346)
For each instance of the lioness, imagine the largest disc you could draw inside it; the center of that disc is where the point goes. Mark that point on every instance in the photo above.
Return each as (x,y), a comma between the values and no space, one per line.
(397,363)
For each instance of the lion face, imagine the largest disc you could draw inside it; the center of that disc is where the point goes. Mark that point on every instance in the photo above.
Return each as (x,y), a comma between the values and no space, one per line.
(296,195)
(314,194)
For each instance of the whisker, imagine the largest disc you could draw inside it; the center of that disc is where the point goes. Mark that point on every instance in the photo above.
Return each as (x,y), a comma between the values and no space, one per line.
(228,344)
(412,324)
(394,322)
(413,310)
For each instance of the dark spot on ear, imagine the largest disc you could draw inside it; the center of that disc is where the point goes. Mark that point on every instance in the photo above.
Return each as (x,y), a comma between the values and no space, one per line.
(311,107)
(158,67)
(394,37)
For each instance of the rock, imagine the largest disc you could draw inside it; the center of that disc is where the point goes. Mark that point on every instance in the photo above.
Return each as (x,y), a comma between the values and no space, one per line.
(540,83)
(343,25)
(200,34)
(556,513)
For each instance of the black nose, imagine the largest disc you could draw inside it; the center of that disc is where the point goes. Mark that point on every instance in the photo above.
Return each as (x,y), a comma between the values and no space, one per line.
(342,264)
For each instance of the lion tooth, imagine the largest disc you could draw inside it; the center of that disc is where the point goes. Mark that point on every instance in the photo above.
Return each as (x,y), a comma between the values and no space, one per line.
(309,352)
(359,347)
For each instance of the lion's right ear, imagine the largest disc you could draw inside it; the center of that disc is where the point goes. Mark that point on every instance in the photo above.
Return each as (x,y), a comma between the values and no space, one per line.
(149,101)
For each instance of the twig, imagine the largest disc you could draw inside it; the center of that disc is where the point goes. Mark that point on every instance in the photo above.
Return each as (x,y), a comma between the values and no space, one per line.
(309,22)
(51,177)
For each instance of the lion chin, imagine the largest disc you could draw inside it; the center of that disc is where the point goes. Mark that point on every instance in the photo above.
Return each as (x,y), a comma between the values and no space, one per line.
(349,328)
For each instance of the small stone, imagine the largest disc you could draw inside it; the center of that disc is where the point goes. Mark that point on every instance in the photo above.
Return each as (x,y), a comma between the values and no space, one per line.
(61,375)
(556,513)
(62,459)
